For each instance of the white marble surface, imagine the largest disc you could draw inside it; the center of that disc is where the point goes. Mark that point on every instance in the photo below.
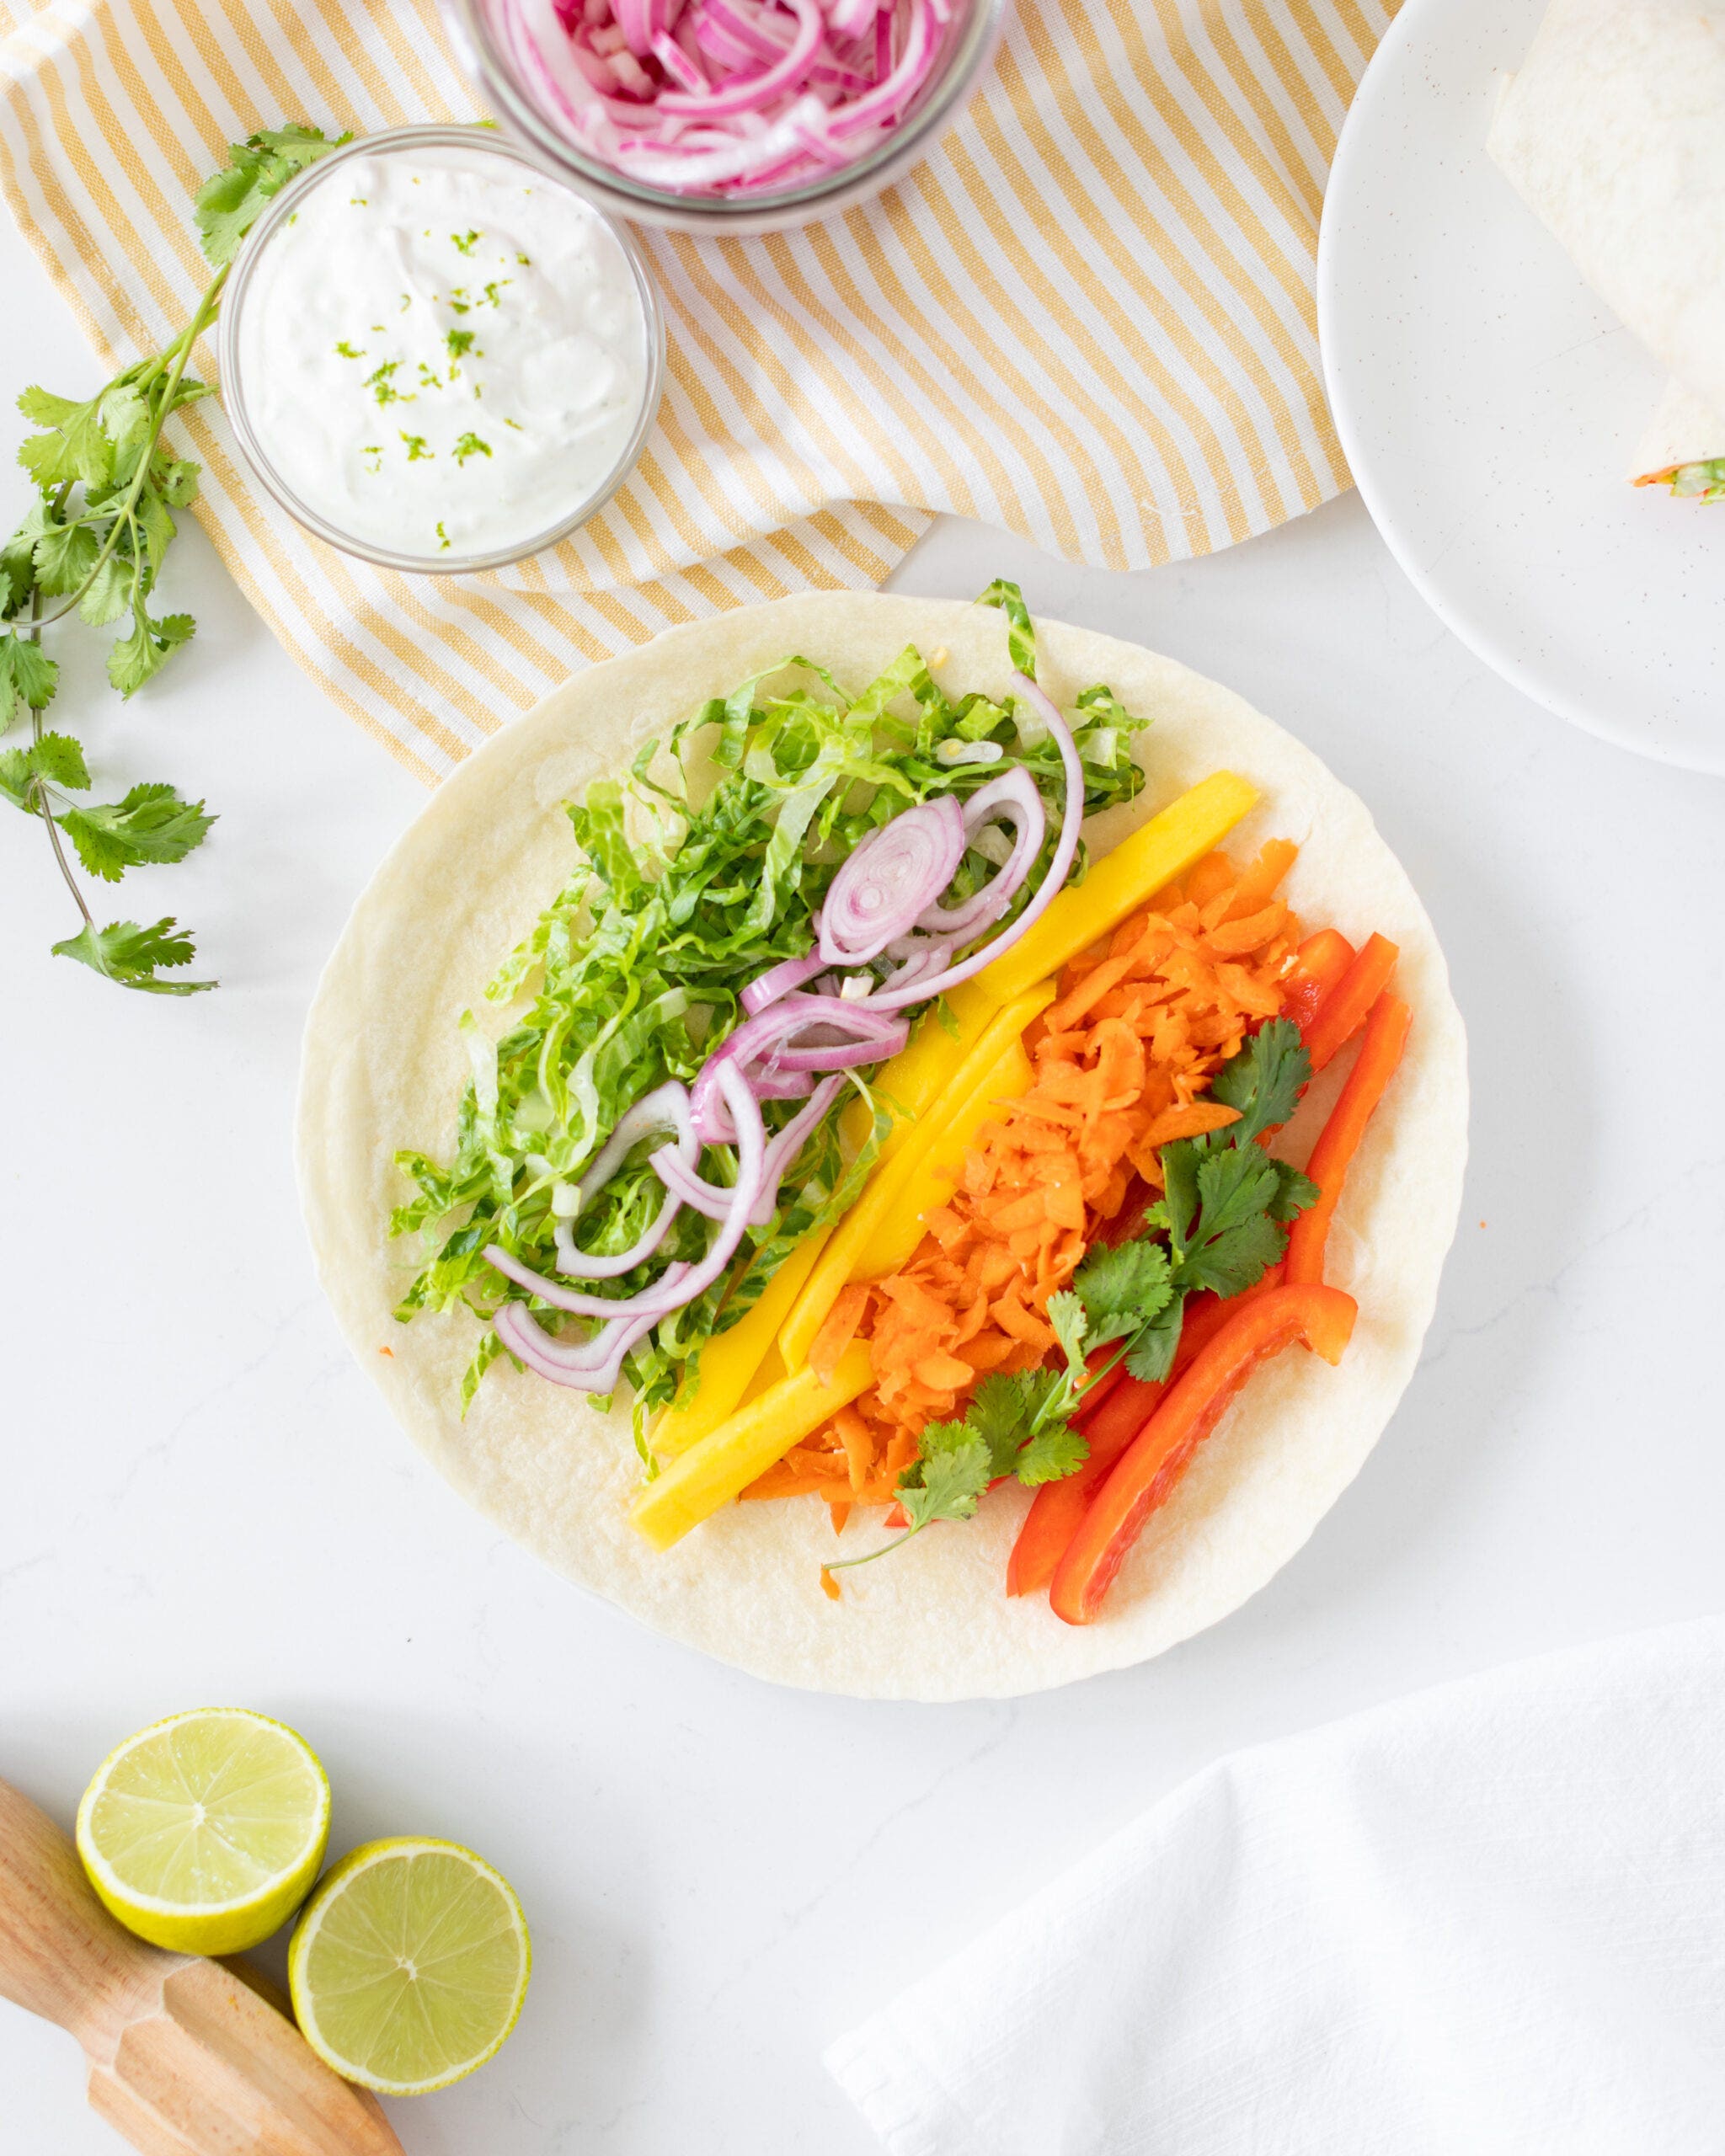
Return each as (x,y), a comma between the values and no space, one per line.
(204,1501)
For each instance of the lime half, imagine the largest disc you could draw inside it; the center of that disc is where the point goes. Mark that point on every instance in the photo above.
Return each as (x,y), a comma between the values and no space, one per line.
(409,1966)
(203,1833)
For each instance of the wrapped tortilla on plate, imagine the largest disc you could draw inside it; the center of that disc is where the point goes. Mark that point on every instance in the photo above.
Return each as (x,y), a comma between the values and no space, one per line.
(1614,134)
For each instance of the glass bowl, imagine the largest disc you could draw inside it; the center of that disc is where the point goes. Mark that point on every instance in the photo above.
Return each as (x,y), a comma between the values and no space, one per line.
(483,49)
(408,141)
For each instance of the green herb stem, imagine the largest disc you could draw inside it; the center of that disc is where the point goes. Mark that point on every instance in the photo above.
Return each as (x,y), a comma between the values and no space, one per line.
(125,516)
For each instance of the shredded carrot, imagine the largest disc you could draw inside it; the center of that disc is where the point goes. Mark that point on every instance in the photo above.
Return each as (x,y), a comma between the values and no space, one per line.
(838,1331)
(828,1585)
(1123,1058)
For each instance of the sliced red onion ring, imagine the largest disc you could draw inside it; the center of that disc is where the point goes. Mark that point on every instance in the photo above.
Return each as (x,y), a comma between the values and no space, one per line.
(592,1365)
(770,1086)
(783,1148)
(712,1198)
(779,980)
(839,1055)
(666,1105)
(665,1296)
(1012,798)
(752,1045)
(1059,868)
(887,98)
(679,67)
(919,958)
(888,879)
(749,93)
(851,18)
(688,171)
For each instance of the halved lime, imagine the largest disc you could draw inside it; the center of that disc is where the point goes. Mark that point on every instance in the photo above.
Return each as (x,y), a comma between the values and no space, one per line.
(409,1965)
(203,1832)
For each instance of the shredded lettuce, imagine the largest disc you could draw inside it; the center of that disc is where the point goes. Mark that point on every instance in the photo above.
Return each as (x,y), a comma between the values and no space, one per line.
(703,867)
(1705,480)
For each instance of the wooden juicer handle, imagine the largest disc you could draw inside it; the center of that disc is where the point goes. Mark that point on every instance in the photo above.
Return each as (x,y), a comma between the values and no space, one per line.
(186,2059)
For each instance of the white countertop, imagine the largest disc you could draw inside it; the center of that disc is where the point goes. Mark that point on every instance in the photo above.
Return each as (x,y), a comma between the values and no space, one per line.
(206,1503)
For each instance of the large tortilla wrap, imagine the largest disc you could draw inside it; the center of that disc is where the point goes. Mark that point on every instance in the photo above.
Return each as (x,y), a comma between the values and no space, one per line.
(1614,135)
(384,1068)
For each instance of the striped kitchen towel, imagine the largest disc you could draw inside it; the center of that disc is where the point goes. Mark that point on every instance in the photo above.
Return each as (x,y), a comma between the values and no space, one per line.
(1087,317)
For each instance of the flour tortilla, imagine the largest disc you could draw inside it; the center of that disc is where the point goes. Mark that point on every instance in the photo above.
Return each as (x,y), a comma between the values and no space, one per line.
(1614,135)
(384,1068)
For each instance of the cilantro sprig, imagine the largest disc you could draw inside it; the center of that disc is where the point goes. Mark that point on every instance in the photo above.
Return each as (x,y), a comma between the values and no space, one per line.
(1221,1224)
(93,544)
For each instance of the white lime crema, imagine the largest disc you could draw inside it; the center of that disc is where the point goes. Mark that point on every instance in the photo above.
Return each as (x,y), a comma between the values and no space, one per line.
(442,352)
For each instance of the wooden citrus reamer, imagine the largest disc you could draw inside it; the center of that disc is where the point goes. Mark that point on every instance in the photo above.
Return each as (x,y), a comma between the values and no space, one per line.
(186,2058)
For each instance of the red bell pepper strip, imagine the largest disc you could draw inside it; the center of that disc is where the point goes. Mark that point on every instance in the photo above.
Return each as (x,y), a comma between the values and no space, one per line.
(1319,966)
(1144,1477)
(1347,1005)
(1110,1422)
(1380,1054)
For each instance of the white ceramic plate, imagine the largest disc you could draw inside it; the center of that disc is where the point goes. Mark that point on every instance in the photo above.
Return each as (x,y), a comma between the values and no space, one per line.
(1490,405)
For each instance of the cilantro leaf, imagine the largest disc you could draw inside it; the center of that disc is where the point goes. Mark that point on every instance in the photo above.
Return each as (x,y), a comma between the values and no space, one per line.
(1002,1409)
(1238,1258)
(18,558)
(1052,1454)
(948,1478)
(1178,1207)
(1066,1315)
(1225,1207)
(1295,1193)
(136,657)
(1234,1184)
(227,206)
(47,410)
(177,483)
(1151,1355)
(76,447)
(1123,1288)
(56,757)
(1263,1079)
(129,954)
(124,413)
(108,593)
(150,823)
(65,555)
(27,677)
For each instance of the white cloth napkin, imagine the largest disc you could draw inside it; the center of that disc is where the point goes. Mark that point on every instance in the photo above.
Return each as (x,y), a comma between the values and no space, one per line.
(1487,1920)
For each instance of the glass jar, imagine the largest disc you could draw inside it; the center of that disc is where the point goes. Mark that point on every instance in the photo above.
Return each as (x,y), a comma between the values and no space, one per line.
(408,143)
(486,51)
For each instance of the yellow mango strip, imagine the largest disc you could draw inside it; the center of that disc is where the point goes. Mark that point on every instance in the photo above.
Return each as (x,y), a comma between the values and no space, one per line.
(915,1078)
(895,1237)
(730,1360)
(888,1189)
(724,1462)
(1136,869)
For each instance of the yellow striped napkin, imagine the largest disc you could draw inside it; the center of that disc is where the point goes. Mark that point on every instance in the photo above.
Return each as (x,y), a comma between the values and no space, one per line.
(1087,317)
